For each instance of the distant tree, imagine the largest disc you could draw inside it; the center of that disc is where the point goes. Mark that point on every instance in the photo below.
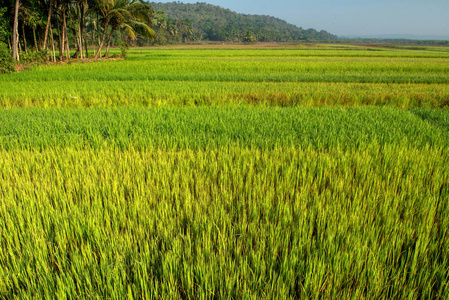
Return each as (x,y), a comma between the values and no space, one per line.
(249,37)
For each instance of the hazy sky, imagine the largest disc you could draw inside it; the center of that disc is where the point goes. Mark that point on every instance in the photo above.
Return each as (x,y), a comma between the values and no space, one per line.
(351,17)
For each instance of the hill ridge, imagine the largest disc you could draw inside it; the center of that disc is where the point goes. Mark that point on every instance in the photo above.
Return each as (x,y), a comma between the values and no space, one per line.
(215,23)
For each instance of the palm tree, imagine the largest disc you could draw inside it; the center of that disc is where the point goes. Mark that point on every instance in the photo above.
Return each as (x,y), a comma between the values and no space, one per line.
(132,27)
(30,17)
(132,15)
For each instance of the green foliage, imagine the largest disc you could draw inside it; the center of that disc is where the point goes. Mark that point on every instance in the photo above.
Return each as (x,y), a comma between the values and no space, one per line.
(210,22)
(4,32)
(40,56)
(249,38)
(209,127)
(124,49)
(170,31)
(6,62)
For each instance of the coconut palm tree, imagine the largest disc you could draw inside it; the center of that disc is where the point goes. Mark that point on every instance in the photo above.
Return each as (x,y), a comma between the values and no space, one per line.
(132,27)
(31,17)
(126,14)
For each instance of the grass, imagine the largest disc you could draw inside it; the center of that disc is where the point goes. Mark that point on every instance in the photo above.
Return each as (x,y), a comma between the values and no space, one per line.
(149,93)
(315,171)
(210,127)
(226,222)
(204,76)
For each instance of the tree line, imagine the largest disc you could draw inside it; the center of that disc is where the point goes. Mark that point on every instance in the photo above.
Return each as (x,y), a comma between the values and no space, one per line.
(64,25)
(214,23)
(63,29)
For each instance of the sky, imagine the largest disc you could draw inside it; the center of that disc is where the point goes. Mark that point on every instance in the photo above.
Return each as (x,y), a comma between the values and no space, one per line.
(351,17)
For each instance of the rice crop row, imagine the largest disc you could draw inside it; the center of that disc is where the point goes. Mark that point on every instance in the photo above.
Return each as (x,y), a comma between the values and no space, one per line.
(225,223)
(209,127)
(179,77)
(257,69)
(304,50)
(156,93)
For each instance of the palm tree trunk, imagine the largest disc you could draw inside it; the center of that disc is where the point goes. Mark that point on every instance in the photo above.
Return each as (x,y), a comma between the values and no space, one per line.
(67,56)
(54,50)
(81,28)
(65,39)
(93,39)
(106,23)
(85,48)
(97,27)
(48,24)
(61,43)
(77,39)
(53,45)
(24,38)
(106,55)
(78,45)
(20,45)
(15,37)
(35,41)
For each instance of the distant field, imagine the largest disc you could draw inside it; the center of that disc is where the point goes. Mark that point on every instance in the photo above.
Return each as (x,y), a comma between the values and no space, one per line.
(294,76)
(307,171)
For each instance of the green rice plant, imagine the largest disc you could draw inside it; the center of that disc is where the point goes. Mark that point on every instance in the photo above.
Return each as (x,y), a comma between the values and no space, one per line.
(292,76)
(157,93)
(252,69)
(226,222)
(210,172)
(206,127)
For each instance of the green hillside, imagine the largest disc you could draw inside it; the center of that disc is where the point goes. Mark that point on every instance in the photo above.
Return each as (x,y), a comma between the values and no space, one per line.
(209,22)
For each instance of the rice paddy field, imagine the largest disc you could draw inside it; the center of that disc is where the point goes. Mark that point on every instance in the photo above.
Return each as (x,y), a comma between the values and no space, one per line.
(199,172)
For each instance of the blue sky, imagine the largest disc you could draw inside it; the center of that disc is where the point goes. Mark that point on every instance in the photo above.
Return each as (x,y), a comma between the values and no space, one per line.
(351,17)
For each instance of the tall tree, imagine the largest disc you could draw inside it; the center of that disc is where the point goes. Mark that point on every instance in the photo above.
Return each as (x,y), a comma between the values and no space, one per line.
(15,34)
(82,9)
(51,3)
(30,17)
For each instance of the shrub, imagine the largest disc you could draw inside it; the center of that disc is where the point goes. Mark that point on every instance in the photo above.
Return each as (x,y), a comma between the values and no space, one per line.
(6,62)
(124,48)
(35,56)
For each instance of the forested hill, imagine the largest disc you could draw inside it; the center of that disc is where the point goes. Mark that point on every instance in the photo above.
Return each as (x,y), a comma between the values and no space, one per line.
(214,23)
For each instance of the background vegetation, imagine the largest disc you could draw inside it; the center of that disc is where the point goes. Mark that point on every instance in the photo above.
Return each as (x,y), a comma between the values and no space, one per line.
(57,26)
(202,21)
(50,25)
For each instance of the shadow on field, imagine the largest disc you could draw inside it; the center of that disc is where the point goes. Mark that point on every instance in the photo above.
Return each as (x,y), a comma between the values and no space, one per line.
(436,117)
